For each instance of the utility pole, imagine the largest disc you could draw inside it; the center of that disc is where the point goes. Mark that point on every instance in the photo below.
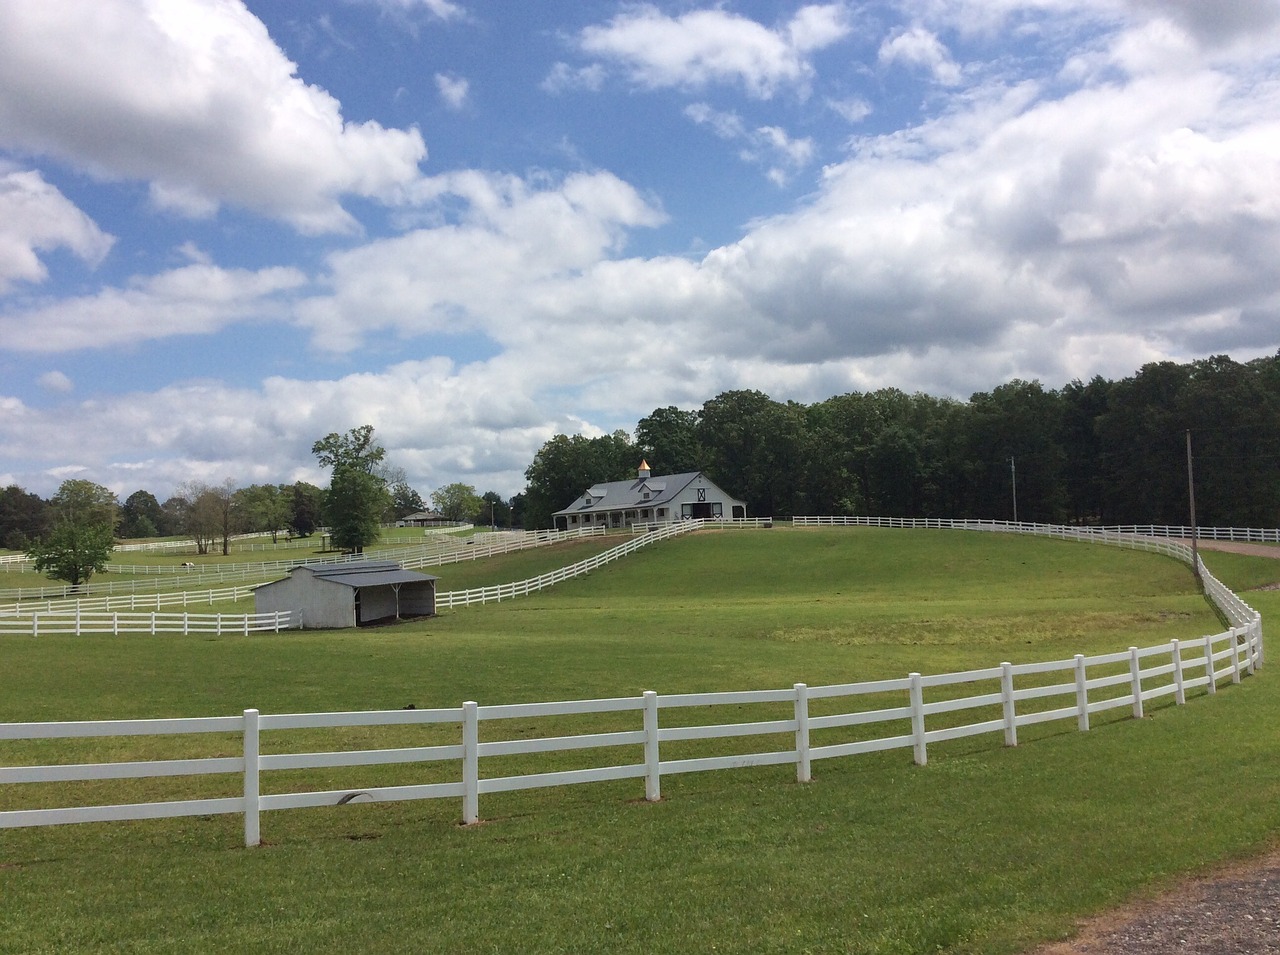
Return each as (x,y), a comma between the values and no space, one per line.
(1191,493)
(1013,476)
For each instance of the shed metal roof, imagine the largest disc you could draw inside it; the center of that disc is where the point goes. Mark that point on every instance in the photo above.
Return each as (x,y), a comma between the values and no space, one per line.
(370,573)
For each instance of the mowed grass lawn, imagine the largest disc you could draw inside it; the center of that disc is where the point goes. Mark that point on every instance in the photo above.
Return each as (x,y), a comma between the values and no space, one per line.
(985,849)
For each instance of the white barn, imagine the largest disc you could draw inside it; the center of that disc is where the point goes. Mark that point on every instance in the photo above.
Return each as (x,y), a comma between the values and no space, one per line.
(334,596)
(649,499)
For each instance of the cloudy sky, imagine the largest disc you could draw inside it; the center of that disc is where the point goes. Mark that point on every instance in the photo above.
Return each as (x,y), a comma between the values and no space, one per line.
(228,228)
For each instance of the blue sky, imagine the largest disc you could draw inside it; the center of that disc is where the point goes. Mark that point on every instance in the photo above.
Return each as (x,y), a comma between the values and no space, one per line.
(228,228)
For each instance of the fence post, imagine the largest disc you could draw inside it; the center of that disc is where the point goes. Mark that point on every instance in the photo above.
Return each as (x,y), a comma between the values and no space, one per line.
(470,763)
(1179,689)
(804,772)
(1235,655)
(1082,694)
(35,624)
(917,719)
(252,832)
(1209,666)
(652,764)
(1135,681)
(1006,698)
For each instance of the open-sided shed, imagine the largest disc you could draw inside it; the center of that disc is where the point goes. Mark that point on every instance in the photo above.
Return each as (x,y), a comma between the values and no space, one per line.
(332,596)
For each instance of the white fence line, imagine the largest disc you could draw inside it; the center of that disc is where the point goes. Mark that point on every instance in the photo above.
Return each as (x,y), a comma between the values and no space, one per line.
(432,553)
(522,588)
(116,623)
(102,615)
(1002,699)
(1264,535)
(130,602)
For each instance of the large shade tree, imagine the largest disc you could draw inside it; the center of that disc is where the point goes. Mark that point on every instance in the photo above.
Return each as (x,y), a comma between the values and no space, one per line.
(80,541)
(357,497)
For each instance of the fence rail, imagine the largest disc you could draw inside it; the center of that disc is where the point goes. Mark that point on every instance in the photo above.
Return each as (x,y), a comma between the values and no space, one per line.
(1261,535)
(913,712)
(522,588)
(433,553)
(116,623)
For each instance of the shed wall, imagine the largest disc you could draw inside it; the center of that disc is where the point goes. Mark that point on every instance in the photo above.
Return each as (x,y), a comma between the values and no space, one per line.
(323,605)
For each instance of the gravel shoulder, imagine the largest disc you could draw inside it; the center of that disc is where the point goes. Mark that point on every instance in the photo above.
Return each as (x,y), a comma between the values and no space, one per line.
(1234,910)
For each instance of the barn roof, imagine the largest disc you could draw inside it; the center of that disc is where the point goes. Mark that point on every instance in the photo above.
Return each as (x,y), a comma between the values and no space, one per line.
(368,573)
(646,491)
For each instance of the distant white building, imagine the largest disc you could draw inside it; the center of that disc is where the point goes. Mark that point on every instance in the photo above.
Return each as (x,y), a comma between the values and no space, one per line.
(650,499)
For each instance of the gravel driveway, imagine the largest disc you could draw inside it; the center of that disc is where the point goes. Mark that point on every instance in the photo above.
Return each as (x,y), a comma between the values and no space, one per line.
(1235,911)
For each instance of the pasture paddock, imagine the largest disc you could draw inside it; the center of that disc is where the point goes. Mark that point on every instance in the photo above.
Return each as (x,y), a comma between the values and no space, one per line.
(983,849)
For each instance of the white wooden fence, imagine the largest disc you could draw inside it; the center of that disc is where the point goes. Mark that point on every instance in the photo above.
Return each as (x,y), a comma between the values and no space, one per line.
(116,622)
(999,696)
(104,615)
(1261,535)
(432,553)
(522,588)
(913,712)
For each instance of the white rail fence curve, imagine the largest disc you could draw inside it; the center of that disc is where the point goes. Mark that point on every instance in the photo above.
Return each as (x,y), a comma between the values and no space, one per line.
(433,553)
(101,615)
(914,712)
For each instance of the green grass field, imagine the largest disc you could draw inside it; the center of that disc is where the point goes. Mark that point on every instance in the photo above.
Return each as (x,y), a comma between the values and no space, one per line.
(986,849)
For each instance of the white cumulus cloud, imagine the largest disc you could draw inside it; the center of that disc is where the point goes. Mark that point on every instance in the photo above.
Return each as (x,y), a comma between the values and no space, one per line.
(193,97)
(714,46)
(35,217)
(453,90)
(193,299)
(920,47)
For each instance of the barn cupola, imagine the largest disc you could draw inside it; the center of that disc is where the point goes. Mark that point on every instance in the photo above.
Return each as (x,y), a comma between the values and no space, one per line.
(643,473)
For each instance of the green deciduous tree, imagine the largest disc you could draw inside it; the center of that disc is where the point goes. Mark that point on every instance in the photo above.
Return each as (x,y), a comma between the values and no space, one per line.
(73,551)
(357,497)
(141,516)
(668,440)
(354,507)
(405,500)
(263,508)
(24,517)
(83,502)
(210,514)
(306,508)
(457,502)
(493,510)
(355,449)
(80,541)
(566,466)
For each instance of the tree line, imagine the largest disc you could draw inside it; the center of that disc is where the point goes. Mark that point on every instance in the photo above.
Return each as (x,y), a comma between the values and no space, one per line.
(1096,452)
(72,534)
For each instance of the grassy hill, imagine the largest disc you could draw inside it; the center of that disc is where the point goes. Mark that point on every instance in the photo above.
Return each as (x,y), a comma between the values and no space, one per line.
(986,849)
